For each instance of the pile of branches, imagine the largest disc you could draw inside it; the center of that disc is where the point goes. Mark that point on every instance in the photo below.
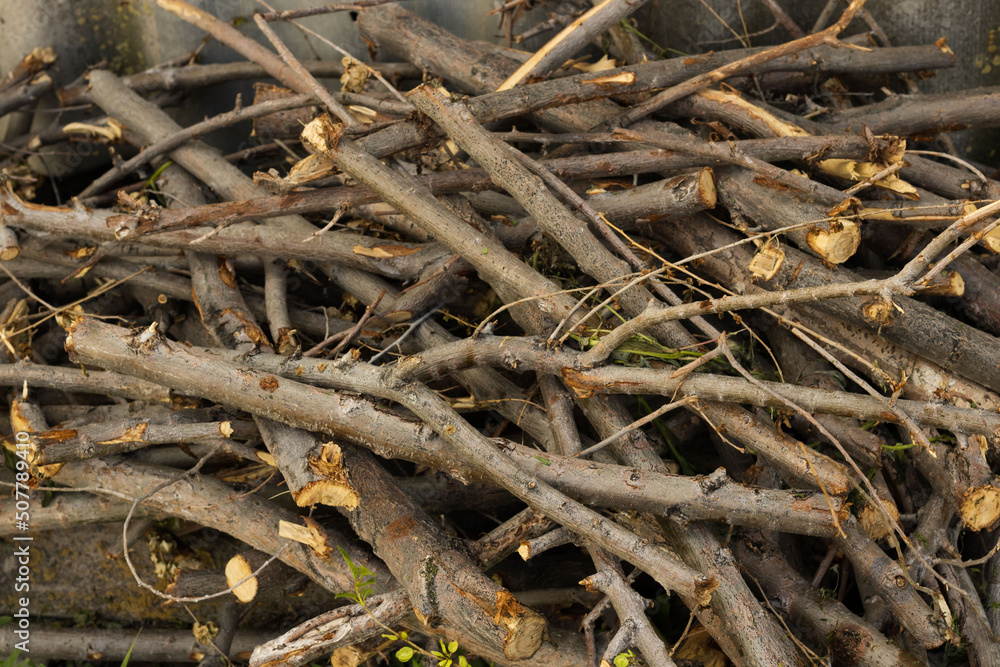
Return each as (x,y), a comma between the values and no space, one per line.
(705,329)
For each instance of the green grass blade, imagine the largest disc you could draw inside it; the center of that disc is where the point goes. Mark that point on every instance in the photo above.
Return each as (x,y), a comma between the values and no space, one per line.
(129,654)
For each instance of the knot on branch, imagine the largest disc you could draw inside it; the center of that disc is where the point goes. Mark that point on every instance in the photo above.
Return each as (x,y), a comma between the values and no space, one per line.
(140,214)
(877,311)
(713,482)
(406,367)
(145,340)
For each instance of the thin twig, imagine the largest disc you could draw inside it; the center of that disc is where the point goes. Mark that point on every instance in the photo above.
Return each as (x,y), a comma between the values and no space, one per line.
(657,315)
(354,61)
(147,155)
(674,93)
(593,22)
(128,518)
(345,337)
(642,277)
(639,423)
(874,178)
(947,156)
(27,290)
(915,433)
(414,325)
(782,17)
(958,562)
(755,382)
(904,279)
(328,226)
(318,90)
(290,14)
(953,255)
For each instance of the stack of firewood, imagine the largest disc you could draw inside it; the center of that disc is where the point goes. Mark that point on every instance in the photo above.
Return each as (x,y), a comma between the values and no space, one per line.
(503,354)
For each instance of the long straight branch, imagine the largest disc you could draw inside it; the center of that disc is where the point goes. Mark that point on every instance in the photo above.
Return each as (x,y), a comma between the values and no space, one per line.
(530,191)
(528,354)
(503,270)
(656,315)
(113,347)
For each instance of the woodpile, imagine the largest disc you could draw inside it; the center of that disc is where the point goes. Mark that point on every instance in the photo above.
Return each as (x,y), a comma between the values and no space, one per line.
(491,349)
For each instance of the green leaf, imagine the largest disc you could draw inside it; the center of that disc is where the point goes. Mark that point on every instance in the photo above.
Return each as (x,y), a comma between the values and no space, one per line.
(350,563)
(544,461)
(404,654)
(129,654)
(622,660)
(403,635)
(452,646)
(462,662)
(391,638)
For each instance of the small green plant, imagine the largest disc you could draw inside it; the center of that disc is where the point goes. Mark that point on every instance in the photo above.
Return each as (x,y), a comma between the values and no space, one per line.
(13,661)
(446,657)
(364,583)
(899,448)
(625,659)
